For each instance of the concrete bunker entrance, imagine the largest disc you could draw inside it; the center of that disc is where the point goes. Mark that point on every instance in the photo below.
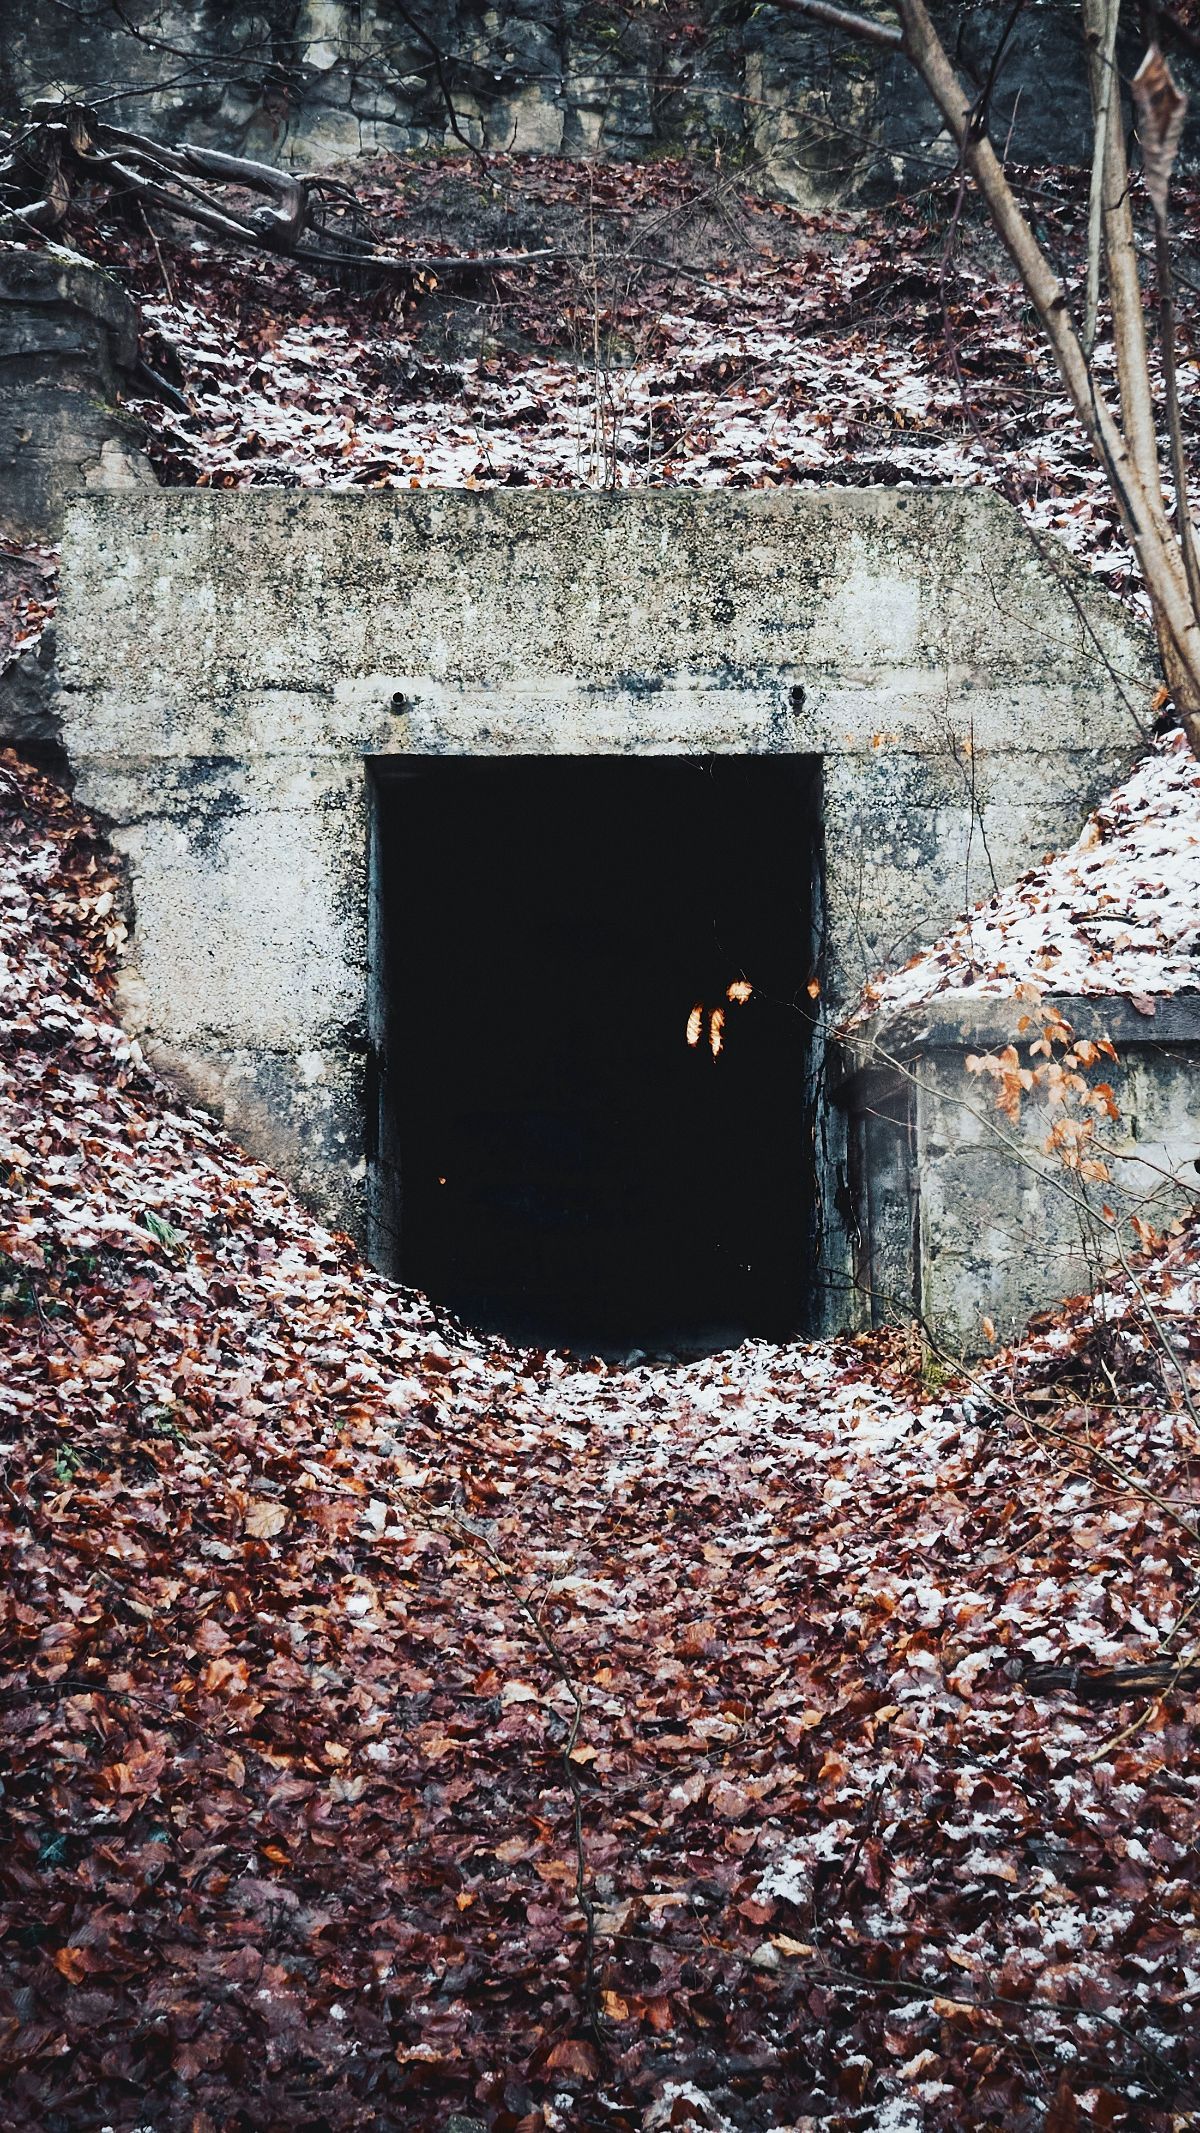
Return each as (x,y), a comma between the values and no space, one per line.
(546,713)
(589,1114)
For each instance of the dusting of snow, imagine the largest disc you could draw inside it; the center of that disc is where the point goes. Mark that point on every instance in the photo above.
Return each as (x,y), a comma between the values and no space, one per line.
(897,2115)
(778,369)
(1117,913)
(700,2110)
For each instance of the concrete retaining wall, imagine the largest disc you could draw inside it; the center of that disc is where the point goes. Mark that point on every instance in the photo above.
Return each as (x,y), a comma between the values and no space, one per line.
(963,1211)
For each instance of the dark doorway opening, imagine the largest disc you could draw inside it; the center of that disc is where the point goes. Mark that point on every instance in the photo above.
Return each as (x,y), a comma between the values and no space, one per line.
(592,1038)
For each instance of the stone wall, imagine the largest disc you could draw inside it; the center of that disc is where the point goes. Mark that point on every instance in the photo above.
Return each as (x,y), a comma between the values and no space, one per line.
(312,81)
(231,663)
(68,345)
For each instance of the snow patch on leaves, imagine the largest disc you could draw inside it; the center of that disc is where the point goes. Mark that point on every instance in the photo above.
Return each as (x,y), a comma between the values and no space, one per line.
(285,1764)
(1117,913)
(803,350)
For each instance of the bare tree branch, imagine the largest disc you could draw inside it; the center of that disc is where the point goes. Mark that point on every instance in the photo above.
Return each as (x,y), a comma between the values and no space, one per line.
(1101,38)
(864,27)
(1133,486)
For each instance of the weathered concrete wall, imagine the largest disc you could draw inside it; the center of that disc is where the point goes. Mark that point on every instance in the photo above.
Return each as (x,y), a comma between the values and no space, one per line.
(229,662)
(962,1210)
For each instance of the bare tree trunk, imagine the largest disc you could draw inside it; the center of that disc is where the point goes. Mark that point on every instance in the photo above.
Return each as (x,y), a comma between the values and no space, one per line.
(1124,285)
(1115,220)
(1133,476)
(1100,26)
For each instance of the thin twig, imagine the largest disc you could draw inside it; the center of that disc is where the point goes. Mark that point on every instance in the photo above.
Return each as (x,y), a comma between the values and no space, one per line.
(152,234)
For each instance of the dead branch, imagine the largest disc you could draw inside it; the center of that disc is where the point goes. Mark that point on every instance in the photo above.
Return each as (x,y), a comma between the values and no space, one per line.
(65,145)
(279,225)
(863,27)
(1134,483)
(1114,1684)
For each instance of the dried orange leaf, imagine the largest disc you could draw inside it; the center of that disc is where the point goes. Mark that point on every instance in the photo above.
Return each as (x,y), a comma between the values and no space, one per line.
(574,2055)
(1161,108)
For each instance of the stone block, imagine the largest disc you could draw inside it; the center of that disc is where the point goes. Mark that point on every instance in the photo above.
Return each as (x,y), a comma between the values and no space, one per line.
(964,1212)
(68,343)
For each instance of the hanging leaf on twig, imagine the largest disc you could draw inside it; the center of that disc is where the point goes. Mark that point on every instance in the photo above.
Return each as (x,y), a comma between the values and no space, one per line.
(1162,108)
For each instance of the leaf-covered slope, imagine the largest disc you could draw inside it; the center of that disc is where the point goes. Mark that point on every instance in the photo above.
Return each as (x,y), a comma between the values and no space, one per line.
(1118,913)
(683,331)
(353,1664)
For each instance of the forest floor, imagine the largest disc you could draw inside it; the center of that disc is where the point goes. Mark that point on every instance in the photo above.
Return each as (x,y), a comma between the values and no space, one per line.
(684,331)
(403,1730)
(395,1721)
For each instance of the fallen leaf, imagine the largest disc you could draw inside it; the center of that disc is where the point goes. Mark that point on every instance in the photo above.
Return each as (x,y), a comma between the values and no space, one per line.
(574,2057)
(264,1521)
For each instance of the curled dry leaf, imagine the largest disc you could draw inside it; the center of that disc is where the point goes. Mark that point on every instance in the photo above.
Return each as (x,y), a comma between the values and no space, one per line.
(574,2058)
(1161,108)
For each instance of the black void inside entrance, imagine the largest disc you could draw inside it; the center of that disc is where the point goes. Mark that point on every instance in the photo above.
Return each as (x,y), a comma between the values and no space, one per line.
(592,1107)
